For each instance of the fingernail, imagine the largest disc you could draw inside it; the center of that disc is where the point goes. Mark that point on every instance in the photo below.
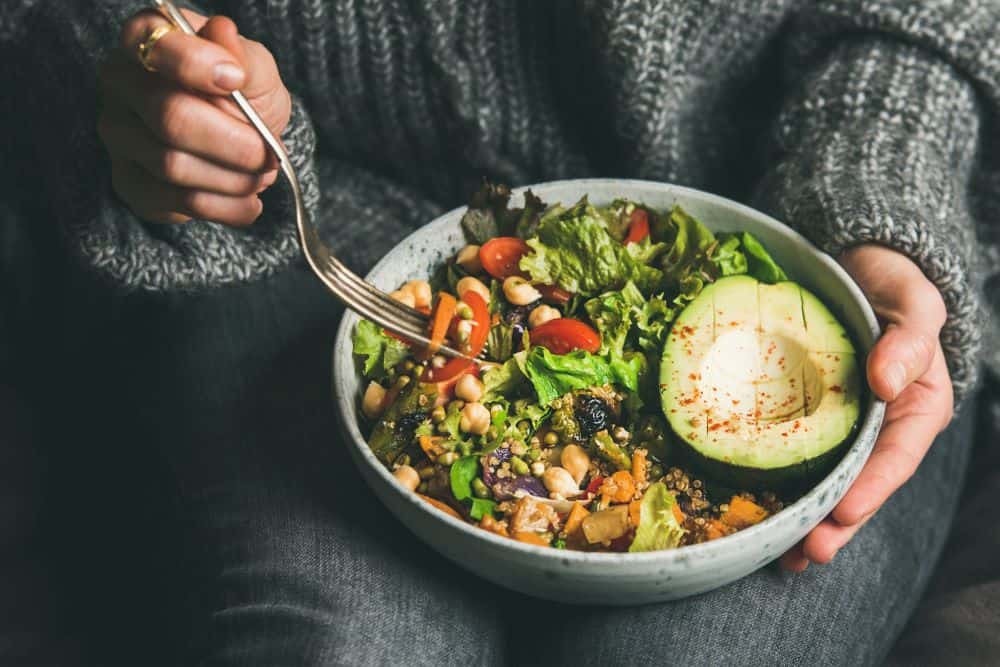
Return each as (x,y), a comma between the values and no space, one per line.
(895,376)
(228,76)
(267,180)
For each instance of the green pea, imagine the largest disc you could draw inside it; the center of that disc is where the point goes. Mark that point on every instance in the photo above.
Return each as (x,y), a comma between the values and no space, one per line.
(447,458)
(480,489)
(551,439)
(518,465)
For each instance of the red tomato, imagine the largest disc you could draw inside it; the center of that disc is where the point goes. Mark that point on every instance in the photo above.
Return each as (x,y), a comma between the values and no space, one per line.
(594,485)
(501,255)
(638,229)
(565,335)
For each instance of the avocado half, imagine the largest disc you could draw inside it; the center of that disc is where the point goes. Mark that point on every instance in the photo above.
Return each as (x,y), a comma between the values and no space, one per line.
(760,383)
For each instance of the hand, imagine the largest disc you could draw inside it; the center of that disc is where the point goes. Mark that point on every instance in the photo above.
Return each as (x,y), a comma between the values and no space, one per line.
(179,148)
(906,368)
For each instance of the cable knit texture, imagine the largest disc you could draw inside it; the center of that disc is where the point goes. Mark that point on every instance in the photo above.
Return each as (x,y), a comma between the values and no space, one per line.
(852,120)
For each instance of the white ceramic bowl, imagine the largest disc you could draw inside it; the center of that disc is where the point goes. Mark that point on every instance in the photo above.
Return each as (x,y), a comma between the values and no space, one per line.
(616,578)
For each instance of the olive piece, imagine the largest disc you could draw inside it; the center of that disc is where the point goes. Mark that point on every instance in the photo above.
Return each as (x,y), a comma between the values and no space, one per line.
(592,414)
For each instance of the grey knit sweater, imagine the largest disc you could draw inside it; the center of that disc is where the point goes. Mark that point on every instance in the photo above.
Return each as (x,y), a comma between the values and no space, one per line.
(852,120)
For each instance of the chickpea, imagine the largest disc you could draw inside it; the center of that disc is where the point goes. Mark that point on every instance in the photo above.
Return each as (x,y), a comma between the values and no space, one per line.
(408,477)
(519,291)
(470,284)
(464,330)
(541,314)
(469,388)
(438,361)
(371,404)
(575,460)
(404,297)
(475,418)
(537,468)
(468,259)
(421,291)
(559,482)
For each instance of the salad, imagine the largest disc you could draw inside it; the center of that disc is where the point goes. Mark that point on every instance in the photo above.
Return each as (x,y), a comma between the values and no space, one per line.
(647,384)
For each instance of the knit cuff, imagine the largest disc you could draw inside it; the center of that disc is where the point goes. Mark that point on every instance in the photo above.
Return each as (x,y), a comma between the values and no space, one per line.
(200,254)
(877,146)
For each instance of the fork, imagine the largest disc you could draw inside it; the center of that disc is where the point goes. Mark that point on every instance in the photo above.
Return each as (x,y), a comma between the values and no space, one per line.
(357,294)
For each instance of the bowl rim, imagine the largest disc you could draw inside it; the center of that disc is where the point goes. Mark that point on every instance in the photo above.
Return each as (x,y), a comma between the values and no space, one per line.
(861,446)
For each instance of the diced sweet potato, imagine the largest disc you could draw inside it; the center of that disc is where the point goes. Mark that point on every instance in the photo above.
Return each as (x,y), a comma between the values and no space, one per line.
(743,513)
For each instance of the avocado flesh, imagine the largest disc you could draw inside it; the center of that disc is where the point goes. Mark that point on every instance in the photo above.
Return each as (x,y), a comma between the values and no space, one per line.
(761,382)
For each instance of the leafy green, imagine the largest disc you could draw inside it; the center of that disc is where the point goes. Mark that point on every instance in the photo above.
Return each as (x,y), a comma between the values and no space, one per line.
(380,352)
(627,370)
(575,251)
(531,214)
(501,341)
(760,265)
(553,375)
(504,380)
(726,256)
(658,528)
(463,471)
(646,251)
(621,313)
(488,215)
(688,240)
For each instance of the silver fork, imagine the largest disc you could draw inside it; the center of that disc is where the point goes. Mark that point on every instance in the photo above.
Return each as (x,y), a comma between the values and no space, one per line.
(358,295)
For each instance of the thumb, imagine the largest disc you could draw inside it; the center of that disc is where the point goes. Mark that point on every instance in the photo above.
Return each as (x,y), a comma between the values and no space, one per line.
(902,355)
(224,32)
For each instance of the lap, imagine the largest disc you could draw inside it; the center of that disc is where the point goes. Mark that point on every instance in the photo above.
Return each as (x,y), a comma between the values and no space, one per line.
(300,563)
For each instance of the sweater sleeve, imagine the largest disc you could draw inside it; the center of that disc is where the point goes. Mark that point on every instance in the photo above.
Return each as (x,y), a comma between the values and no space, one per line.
(879,141)
(57,111)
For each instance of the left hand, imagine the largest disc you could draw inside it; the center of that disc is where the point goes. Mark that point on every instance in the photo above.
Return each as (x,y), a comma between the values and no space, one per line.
(906,368)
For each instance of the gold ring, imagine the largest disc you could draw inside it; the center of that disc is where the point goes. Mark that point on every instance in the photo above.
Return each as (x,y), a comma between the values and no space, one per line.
(146,47)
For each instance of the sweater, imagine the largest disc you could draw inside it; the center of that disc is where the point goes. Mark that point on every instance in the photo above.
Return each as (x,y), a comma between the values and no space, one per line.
(851,120)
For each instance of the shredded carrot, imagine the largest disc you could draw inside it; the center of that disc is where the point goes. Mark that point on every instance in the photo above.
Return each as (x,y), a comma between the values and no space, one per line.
(716,529)
(488,522)
(444,312)
(619,488)
(575,518)
(440,505)
(678,513)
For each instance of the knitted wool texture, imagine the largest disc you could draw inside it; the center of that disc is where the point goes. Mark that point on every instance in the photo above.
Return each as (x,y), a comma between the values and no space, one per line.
(851,120)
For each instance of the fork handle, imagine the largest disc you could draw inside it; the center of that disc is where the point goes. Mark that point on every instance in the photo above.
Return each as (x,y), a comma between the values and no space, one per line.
(176,17)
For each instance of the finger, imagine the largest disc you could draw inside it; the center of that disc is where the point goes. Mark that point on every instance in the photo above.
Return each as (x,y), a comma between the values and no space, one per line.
(190,61)
(824,541)
(901,356)
(793,560)
(152,200)
(187,122)
(913,421)
(124,135)
(124,183)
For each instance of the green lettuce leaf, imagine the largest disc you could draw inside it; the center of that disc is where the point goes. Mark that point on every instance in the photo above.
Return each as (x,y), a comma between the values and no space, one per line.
(507,379)
(726,256)
(379,353)
(688,240)
(760,265)
(462,472)
(553,375)
(575,251)
(658,528)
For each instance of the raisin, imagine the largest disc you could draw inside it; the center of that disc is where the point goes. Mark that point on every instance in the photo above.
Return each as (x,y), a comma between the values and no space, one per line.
(408,423)
(592,414)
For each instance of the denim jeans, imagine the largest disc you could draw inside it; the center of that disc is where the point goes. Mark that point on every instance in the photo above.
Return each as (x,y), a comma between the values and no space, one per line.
(281,555)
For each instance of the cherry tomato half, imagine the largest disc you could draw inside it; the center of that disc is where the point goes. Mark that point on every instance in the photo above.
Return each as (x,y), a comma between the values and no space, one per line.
(565,335)
(638,229)
(500,256)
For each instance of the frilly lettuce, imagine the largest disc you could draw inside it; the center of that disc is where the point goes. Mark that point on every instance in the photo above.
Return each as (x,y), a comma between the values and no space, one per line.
(575,251)
(658,528)
(379,352)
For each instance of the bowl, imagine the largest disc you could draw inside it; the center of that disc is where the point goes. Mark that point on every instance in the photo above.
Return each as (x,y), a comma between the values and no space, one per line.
(616,578)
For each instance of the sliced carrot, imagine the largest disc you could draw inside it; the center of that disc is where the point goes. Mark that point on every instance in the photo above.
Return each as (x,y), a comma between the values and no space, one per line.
(440,505)
(575,519)
(489,522)
(530,538)
(619,488)
(678,513)
(635,512)
(443,313)
(716,529)
(743,513)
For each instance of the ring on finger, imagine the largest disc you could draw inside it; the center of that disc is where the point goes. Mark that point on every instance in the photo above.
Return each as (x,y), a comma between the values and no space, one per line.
(145,47)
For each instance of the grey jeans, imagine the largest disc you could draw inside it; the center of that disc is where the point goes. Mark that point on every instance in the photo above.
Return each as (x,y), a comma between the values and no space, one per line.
(291,560)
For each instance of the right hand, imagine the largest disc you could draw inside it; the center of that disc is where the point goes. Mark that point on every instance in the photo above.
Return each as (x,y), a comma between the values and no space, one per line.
(179,147)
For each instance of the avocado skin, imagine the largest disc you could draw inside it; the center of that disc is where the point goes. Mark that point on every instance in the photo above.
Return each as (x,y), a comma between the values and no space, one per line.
(793,479)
